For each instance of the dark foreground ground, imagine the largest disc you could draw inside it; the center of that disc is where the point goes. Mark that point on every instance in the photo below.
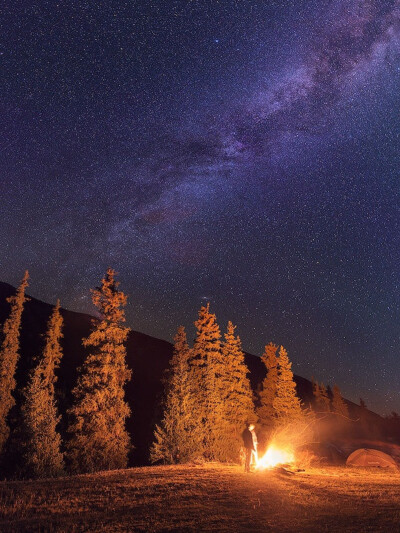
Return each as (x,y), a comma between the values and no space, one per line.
(206,498)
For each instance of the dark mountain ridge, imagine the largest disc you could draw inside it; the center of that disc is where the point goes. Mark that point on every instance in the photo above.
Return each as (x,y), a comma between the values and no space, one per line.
(147,357)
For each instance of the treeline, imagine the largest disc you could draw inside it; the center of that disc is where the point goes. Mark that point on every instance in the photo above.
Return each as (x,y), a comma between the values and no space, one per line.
(97,437)
(329,401)
(208,398)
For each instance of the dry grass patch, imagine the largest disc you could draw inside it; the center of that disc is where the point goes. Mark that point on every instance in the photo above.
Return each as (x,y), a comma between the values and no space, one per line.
(205,498)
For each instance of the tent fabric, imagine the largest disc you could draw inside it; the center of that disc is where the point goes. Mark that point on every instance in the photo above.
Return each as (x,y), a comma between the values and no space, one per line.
(370,457)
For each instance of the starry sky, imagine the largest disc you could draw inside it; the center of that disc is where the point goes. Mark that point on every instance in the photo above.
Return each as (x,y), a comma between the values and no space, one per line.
(244,153)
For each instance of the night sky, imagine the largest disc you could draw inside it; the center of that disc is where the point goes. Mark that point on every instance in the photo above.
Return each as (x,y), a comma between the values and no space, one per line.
(244,153)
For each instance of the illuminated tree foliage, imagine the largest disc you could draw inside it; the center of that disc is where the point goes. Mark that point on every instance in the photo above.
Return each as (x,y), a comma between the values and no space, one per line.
(43,457)
(209,380)
(338,404)
(266,409)
(237,396)
(286,402)
(209,397)
(207,371)
(9,355)
(99,440)
(178,437)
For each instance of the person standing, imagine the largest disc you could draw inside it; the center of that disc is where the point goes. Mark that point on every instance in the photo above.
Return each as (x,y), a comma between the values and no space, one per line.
(250,445)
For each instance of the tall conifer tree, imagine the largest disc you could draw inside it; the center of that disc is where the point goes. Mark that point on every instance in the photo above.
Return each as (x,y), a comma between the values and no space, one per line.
(43,457)
(9,355)
(208,373)
(338,404)
(286,403)
(238,396)
(178,438)
(266,409)
(99,440)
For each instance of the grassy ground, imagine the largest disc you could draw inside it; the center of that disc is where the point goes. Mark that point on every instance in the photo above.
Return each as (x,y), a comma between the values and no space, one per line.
(206,498)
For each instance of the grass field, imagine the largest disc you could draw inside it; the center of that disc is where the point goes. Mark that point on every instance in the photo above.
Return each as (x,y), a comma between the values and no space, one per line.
(206,498)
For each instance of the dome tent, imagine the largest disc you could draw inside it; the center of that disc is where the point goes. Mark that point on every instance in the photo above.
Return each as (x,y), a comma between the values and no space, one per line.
(370,457)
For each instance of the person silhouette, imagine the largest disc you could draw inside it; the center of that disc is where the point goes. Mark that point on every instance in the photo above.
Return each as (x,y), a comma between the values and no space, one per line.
(250,445)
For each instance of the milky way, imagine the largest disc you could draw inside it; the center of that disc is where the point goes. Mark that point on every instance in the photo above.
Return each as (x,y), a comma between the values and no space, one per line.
(241,152)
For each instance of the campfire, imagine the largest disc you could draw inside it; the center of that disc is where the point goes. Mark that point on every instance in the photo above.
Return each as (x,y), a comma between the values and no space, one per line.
(275,456)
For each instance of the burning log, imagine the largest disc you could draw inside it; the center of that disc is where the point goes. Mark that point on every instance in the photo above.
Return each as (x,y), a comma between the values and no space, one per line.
(275,457)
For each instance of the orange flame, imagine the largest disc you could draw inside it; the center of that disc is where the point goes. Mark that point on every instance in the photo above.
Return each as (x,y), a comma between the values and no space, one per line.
(275,456)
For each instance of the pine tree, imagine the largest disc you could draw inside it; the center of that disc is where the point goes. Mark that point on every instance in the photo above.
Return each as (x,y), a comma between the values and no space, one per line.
(266,410)
(99,440)
(238,396)
(207,375)
(9,355)
(43,457)
(286,402)
(178,438)
(338,404)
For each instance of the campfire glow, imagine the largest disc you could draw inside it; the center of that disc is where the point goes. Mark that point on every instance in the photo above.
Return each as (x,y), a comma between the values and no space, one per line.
(275,456)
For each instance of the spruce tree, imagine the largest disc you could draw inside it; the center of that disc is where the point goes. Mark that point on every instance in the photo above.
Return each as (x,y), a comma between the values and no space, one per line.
(9,355)
(338,404)
(266,410)
(286,402)
(43,457)
(99,439)
(208,373)
(237,396)
(178,437)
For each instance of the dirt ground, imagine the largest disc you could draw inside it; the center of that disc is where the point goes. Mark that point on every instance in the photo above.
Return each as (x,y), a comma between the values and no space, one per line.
(206,498)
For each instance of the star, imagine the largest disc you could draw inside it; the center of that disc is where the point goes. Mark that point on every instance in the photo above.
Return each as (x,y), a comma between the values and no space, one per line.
(139,138)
